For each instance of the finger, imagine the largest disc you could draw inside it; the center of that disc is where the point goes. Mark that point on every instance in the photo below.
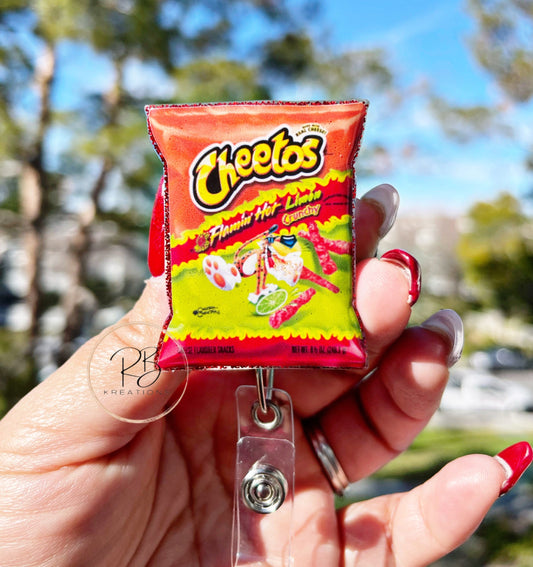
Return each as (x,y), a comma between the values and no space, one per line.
(382,296)
(431,520)
(375,213)
(60,420)
(372,424)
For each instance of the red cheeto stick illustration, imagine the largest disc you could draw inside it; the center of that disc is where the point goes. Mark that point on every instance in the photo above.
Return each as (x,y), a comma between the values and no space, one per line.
(308,274)
(328,265)
(335,246)
(338,246)
(285,313)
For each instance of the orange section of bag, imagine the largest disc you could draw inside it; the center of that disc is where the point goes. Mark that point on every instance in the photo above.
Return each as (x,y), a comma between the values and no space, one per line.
(181,136)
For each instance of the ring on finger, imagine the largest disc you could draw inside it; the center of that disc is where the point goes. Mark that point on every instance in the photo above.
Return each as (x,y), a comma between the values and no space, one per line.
(326,457)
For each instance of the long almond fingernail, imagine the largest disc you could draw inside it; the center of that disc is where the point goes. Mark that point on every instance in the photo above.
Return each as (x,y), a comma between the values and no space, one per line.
(448,324)
(514,460)
(411,268)
(387,199)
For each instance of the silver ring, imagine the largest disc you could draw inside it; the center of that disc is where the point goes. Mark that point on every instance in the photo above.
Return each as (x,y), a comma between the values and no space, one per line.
(325,455)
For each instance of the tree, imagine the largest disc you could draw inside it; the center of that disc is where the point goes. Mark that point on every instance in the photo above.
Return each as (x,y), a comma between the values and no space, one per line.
(34,35)
(496,251)
(497,248)
(502,44)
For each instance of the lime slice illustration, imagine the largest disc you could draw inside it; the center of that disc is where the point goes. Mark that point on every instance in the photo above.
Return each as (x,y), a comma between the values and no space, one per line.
(269,303)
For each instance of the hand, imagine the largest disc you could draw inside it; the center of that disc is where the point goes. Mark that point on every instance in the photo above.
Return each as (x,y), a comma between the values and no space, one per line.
(78,487)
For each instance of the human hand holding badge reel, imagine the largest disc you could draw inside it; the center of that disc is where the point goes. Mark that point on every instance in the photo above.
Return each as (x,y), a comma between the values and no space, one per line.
(267,363)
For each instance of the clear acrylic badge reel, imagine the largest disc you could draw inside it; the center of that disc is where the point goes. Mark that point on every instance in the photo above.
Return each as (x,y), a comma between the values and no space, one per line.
(264,475)
(126,380)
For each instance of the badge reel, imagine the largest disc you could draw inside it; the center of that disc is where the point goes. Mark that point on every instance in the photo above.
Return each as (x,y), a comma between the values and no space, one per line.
(264,475)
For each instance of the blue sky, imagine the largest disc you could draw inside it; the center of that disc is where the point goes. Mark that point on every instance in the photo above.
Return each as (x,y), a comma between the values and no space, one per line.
(426,44)
(423,38)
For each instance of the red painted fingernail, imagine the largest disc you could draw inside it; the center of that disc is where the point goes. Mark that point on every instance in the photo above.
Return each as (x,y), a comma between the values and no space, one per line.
(156,238)
(515,460)
(411,267)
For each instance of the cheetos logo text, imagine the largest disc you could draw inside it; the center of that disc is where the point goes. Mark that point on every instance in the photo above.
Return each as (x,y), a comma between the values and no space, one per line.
(221,171)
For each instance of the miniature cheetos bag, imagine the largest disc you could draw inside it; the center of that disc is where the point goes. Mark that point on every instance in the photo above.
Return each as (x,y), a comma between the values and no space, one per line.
(256,218)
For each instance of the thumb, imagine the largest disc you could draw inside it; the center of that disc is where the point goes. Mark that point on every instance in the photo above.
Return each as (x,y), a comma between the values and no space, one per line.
(62,421)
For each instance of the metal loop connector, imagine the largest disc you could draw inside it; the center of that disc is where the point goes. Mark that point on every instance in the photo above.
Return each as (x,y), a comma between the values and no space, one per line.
(262,421)
(264,390)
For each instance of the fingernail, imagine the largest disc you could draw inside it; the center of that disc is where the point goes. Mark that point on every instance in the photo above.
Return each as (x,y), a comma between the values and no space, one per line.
(411,267)
(449,325)
(514,460)
(387,199)
(156,238)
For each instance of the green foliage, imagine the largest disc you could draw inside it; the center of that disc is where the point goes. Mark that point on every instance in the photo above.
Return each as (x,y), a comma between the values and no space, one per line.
(502,43)
(363,71)
(291,56)
(504,545)
(435,447)
(57,19)
(295,57)
(496,251)
(16,369)
(463,123)
(128,29)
